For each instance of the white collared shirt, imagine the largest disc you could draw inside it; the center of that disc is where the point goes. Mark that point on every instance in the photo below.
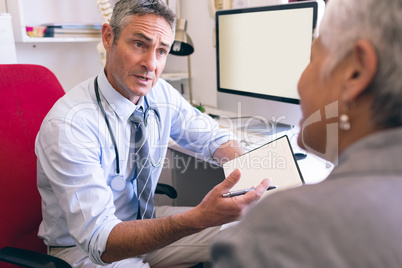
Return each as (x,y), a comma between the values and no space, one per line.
(77,160)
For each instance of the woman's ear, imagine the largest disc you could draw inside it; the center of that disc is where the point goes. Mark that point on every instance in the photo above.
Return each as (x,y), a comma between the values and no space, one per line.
(361,71)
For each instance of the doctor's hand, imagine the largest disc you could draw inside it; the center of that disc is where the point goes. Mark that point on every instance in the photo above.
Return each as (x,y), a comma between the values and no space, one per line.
(216,210)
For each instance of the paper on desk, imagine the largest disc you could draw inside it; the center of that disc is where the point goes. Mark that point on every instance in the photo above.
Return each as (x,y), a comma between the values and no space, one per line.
(273,160)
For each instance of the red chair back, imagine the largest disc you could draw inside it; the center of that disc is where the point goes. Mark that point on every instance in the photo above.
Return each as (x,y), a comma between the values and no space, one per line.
(27,93)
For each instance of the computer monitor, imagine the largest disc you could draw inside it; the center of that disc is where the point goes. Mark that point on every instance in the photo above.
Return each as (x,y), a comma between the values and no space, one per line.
(261,53)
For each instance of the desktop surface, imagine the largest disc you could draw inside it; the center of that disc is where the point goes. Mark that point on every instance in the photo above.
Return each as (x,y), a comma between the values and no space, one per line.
(313,168)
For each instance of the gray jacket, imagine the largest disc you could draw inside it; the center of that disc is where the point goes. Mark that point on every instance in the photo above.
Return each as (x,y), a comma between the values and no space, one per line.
(351,219)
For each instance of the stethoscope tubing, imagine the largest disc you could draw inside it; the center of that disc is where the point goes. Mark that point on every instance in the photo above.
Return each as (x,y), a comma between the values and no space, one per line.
(108,125)
(146,115)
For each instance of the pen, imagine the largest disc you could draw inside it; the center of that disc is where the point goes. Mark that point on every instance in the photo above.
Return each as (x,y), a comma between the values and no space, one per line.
(244,191)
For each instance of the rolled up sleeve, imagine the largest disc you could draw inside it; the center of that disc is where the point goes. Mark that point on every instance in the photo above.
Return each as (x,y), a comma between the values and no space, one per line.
(198,132)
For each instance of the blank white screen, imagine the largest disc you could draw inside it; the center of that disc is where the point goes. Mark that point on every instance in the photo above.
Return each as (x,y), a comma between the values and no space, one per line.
(265,52)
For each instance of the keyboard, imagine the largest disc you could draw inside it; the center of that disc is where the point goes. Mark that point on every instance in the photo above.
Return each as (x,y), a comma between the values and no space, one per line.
(251,141)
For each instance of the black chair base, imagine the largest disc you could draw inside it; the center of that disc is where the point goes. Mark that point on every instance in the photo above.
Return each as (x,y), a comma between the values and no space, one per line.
(30,259)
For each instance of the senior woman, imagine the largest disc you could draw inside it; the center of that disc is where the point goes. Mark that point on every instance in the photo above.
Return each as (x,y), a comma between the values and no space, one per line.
(353,218)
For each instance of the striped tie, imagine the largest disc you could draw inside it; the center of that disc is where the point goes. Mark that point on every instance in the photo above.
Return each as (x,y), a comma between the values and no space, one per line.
(146,209)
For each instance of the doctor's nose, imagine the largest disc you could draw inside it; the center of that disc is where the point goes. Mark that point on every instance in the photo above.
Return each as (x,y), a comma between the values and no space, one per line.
(149,61)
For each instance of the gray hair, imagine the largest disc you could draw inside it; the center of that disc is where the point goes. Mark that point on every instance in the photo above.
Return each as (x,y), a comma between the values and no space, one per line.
(125,8)
(380,22)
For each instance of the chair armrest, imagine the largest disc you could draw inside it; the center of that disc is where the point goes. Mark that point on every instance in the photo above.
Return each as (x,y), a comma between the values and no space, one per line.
(166,189)
(30,259)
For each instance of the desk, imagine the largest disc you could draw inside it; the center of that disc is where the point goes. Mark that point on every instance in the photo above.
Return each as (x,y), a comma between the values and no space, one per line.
(193,177)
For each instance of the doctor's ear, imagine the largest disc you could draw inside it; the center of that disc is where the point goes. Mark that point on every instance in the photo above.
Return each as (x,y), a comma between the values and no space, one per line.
(362,69)
(107,36)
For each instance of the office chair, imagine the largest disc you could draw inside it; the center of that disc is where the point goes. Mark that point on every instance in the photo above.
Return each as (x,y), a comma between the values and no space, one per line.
(27,93)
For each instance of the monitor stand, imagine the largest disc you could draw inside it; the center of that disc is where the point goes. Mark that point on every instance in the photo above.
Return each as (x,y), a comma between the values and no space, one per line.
(263,126)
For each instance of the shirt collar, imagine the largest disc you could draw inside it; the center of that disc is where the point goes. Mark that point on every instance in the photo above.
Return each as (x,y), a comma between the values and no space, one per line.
(117,102)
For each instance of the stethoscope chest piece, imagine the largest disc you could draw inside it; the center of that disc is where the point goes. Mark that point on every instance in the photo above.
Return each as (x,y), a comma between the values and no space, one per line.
(118,183)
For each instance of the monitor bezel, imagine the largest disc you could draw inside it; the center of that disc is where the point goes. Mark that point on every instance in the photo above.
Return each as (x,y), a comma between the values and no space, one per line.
(289,6)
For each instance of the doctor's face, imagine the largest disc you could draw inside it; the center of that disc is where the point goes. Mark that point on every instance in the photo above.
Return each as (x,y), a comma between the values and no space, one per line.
(137,58)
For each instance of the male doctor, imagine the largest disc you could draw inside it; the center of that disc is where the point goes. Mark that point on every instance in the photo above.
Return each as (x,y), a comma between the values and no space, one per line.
(87,149)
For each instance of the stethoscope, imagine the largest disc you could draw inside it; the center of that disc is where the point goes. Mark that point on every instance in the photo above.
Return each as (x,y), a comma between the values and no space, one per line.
(118,183)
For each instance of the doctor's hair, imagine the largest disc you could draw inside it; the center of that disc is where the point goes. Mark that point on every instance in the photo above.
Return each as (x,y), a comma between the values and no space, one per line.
(380,22)
(126,8)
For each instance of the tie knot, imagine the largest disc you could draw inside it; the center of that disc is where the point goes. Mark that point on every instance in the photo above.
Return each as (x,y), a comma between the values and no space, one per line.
(137,117)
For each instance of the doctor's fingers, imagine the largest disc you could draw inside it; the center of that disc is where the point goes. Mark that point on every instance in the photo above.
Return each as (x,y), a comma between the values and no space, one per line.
(256,194)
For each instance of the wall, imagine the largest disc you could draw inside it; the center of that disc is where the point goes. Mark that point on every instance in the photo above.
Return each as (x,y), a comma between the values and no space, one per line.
(2,6)
(203,61)
(70,62)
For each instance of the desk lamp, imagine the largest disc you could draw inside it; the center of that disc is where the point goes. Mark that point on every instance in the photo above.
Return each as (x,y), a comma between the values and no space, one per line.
(183,46)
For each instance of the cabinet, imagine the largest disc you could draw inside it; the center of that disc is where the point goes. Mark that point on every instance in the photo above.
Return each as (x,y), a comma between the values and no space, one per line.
(36,12)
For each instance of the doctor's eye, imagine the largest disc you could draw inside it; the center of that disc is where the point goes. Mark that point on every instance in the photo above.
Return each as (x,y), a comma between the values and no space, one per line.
(138,44)
(162,52)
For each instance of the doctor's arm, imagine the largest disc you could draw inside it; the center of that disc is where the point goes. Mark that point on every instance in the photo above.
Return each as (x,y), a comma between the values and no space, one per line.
(228,151)
(133,238)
